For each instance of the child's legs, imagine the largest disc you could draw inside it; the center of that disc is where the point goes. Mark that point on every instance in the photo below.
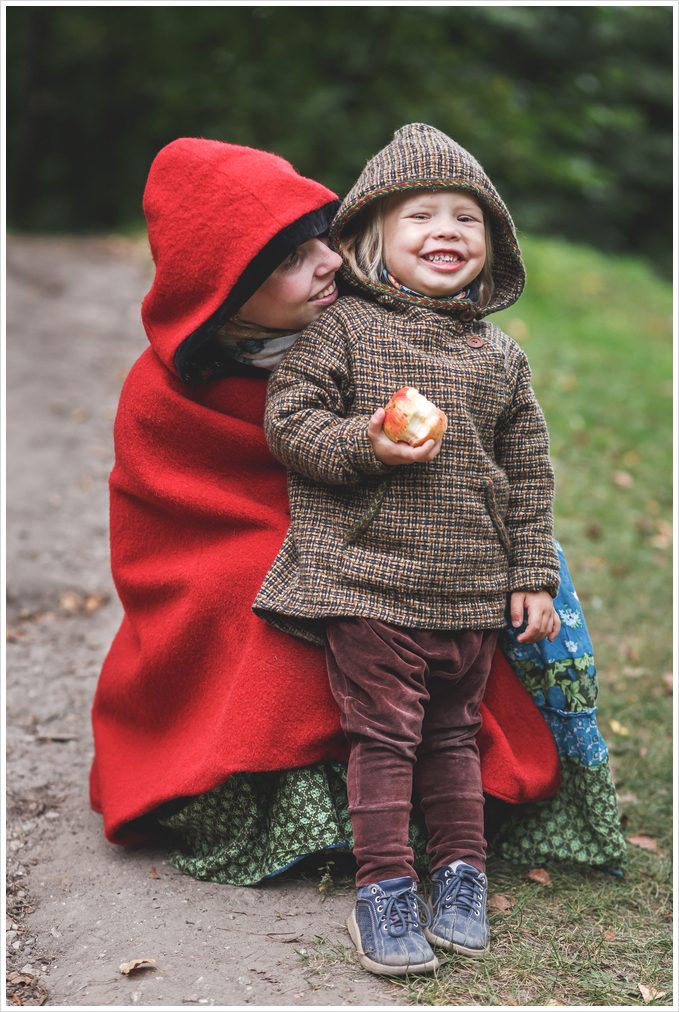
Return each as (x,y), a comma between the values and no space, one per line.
(378,680)
(448,769)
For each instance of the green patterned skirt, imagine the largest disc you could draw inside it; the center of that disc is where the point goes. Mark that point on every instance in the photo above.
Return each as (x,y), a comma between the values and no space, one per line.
(259,824)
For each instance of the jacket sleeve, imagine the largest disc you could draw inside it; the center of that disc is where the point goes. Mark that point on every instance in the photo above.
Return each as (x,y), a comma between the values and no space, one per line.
(308,398)
(522,450)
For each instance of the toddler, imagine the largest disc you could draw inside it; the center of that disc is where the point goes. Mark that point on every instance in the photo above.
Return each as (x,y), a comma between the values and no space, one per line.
(400,558)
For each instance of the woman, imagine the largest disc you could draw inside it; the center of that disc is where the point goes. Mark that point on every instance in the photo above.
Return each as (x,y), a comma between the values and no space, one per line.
(209,724)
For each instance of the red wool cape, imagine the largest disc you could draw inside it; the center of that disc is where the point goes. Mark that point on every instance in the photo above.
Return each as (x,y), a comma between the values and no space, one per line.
(195,687)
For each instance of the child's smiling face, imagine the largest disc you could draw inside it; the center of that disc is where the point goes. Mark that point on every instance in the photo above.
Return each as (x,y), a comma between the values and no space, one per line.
(434,241)
(298,290)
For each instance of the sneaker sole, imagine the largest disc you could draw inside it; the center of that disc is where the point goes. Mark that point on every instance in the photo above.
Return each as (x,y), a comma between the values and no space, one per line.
(443,943)
(386,971)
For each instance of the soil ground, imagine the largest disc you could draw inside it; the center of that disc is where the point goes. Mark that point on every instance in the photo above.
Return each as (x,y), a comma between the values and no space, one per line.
(77,906)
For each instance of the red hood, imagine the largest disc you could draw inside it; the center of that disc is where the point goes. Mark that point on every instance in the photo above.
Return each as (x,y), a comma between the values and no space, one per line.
(220,218)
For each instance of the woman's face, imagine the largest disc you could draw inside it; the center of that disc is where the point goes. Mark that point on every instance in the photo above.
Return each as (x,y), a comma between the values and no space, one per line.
(297,291)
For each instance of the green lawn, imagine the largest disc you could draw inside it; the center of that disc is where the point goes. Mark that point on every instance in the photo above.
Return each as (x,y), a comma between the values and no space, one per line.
(598,334)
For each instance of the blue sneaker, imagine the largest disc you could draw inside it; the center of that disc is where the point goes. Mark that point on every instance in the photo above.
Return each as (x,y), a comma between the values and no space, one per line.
(459,921)
(385,927)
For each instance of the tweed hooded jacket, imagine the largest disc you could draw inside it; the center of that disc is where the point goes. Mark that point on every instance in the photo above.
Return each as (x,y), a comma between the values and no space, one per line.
(430,545)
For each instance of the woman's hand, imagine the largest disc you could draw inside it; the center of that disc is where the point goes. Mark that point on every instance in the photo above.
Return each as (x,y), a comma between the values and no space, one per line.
(397,453)
(543,619)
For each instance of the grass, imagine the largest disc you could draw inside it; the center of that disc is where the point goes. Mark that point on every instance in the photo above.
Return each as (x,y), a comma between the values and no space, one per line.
(587,940)
(597,331)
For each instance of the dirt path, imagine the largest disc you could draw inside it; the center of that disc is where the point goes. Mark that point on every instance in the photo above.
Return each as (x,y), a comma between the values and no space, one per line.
(79,907)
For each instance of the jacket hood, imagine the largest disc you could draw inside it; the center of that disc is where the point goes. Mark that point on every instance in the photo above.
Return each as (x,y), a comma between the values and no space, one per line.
(221,217)
(422,157)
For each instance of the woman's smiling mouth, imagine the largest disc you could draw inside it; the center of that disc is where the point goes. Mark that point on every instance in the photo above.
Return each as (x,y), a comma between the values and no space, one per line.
(326,293)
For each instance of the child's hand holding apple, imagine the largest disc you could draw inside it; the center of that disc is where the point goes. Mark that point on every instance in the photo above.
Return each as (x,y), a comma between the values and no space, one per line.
(408,430)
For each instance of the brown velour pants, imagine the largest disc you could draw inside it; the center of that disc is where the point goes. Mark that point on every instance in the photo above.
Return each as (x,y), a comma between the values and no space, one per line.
(409,703)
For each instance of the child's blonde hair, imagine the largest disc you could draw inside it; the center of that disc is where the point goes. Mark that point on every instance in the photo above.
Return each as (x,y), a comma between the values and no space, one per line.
(362,247)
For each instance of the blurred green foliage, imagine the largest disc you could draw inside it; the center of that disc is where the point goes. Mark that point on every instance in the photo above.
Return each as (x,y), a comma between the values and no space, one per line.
(568,108)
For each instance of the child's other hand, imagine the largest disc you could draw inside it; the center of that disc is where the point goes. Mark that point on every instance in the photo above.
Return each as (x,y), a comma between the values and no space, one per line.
(397,453)
(543,619)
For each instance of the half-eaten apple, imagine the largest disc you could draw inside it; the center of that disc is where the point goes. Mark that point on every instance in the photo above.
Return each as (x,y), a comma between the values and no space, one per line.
(411,418)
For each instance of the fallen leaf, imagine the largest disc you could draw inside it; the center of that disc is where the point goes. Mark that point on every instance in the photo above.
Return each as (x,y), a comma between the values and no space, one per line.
(70,602)
(540,875)
(645,842)
(153,873)
(137,964)
(594,531)
(632,652)
(649,993)
(610,936)
(643,752)
(628,798)
(618,728)
(76,604)
(500,903)
(57,736)
(19,978)
(93,602)
(623,479)
(26,615)
(668,682)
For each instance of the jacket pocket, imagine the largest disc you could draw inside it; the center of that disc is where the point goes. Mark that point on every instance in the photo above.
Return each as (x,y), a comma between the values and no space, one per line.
(494,513)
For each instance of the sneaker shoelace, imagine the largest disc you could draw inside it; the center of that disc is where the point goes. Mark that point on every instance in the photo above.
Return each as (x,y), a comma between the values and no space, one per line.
(401,911)
(464,889)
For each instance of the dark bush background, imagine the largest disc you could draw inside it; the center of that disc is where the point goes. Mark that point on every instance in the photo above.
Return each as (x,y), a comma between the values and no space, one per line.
(568,108)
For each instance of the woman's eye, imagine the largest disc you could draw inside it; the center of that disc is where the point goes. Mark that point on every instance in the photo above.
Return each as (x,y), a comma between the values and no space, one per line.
(291,260)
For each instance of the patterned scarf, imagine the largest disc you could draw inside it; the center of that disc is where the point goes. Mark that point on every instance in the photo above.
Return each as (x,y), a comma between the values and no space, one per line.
(253,345)
(468,294)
